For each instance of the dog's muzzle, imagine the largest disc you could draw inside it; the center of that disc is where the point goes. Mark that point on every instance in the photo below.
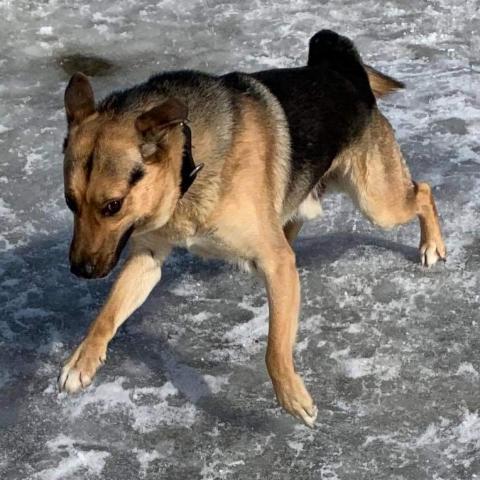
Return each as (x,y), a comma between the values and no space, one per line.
(99,266)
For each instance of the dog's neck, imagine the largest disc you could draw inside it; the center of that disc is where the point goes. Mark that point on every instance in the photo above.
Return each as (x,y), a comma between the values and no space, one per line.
(197,194)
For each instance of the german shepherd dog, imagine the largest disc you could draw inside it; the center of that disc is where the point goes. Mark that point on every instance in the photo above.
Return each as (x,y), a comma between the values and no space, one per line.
(230,166)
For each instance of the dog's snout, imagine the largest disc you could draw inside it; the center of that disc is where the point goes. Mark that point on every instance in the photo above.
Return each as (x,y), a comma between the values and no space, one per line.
(83,269)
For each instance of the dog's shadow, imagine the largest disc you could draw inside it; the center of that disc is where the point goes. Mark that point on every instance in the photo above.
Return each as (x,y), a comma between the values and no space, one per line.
(56,308)
(325,249)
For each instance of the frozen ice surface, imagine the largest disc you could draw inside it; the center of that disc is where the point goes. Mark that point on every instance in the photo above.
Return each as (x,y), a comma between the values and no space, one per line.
(390,351)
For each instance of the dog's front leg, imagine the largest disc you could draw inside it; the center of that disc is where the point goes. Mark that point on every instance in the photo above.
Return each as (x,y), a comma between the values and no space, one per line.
(140,274)
(283,289)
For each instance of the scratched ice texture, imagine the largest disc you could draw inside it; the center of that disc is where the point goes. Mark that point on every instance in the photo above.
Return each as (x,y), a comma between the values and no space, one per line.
(389,350)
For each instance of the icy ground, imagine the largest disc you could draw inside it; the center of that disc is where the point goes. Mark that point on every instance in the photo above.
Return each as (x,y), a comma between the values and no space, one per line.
(390,351)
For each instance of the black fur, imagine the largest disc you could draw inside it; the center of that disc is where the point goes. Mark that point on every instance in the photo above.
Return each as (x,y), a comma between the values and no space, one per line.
(121,245)
(189,170)
(327,49)
(89,167)
(327,105)
(136,175)
(71,203)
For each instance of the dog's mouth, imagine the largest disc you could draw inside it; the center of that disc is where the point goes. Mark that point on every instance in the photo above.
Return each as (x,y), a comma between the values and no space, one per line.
(118,252)
(90,270)
(121,245)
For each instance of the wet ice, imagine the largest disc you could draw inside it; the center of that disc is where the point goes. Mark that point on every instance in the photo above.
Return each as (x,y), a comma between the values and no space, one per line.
(388,350)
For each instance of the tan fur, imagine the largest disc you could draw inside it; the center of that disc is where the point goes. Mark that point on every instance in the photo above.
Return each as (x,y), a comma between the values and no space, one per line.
(97,237)
(235,210)
(380,83)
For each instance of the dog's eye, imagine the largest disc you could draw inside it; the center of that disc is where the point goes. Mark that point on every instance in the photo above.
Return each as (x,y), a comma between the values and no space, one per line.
(111,208)
(71,204)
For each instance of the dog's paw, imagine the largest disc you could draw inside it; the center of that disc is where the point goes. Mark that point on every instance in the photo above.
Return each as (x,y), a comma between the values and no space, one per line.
(80,368)
(295,399)
(433,251)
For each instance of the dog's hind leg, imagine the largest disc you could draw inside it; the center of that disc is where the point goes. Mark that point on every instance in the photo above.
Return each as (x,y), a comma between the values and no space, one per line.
(432,247)
(374,173)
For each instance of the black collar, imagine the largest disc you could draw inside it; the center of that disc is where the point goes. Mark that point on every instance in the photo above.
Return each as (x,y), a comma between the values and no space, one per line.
(189,170)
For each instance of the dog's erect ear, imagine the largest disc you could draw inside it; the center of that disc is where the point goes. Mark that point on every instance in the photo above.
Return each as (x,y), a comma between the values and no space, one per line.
(79,99)
(155,123)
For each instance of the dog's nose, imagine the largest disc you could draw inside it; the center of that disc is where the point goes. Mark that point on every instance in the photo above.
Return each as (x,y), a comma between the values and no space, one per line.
(83,269)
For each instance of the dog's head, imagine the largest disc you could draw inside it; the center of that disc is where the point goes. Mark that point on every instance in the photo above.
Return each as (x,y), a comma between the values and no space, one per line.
(121,172)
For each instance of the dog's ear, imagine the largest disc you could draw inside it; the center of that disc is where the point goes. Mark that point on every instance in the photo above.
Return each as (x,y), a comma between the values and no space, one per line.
(79,99)
(154,124)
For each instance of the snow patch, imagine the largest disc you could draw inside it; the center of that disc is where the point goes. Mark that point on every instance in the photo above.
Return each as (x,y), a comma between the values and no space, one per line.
(358,367)
(199,317)
(215,384)
(469,429)
(355,328)
(78,461)
(145,458)
(5,211)
(466,369)
(110,396)
(45,30)
(296,446)
(431,436)
(32,163)
(385,367)
(248,334)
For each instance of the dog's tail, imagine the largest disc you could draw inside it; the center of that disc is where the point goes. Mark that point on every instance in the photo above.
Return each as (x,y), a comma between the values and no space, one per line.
(382,84)
(340,54)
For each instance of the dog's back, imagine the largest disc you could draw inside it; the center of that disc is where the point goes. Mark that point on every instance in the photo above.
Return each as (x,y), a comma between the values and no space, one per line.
(318,111)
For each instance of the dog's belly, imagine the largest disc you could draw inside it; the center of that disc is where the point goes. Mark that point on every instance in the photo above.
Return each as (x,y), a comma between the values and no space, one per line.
(205,247)
(211,247)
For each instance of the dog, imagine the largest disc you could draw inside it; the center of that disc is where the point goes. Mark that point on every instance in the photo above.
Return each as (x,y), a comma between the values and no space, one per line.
(230,166)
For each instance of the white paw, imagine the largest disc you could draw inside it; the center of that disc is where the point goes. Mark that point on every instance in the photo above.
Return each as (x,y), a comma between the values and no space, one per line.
(309,417)
(80,368)
(294,397)
(432,252)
